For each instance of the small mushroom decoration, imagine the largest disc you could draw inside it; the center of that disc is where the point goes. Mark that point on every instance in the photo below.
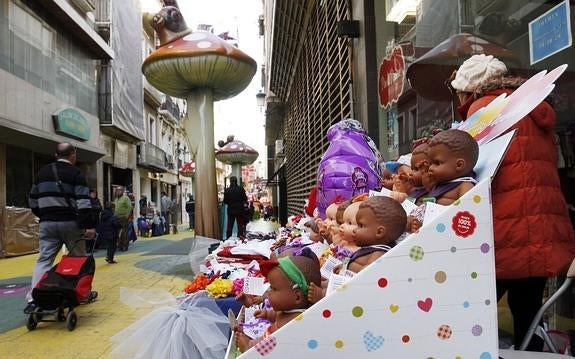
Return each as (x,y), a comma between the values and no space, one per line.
(188,169)
(202,68)
(236,153)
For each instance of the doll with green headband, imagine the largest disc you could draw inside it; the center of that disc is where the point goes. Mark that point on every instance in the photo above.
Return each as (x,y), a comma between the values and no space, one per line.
(289,279)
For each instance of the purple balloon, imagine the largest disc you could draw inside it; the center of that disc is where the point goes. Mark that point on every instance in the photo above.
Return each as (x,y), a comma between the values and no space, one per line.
(349,167)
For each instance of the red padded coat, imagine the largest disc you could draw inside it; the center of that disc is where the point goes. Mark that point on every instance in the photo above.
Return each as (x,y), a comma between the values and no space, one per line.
(533,233)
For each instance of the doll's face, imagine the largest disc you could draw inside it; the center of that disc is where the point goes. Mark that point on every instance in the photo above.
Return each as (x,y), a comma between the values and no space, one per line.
(282,294)
(330,219)
(444,166)
(402,180)
(419,164)
(387,179)
(346,230)
(369,231)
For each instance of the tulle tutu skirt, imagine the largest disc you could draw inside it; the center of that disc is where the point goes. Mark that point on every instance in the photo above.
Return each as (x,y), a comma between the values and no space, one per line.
(195,329)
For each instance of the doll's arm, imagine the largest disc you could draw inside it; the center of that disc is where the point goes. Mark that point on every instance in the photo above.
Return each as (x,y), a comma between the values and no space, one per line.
(464,187)
(413,224)
(243,342)
(268,314)
(362,262)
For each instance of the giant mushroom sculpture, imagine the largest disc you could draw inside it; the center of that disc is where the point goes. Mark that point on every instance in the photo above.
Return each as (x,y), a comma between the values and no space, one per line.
(202,68)
(237,154)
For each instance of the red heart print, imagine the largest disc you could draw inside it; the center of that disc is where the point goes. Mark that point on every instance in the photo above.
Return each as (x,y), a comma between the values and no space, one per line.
(425,305)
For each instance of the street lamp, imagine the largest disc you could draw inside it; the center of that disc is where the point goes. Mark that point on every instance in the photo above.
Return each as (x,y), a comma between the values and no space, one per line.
(261,99)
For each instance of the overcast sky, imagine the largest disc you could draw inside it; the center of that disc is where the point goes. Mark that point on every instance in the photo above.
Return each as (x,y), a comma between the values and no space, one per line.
(240,115)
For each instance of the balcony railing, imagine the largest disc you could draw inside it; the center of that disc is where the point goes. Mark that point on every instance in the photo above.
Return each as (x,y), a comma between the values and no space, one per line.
(151,157)
(170,110)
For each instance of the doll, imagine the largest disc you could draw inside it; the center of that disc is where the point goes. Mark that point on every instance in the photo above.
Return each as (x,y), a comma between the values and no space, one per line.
(289,279)
(419,166)
(346,246)
(452,155)
(380,222)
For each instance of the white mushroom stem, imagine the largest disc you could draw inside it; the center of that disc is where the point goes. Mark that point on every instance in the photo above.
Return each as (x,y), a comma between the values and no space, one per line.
(199,125)
(237,171)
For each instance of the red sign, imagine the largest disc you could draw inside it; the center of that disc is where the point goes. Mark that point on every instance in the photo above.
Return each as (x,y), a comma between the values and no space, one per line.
(463,224)
(391,78)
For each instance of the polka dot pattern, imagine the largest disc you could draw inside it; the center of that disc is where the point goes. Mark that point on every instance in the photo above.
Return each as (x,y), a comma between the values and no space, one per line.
(382,282)
(433,262)
(416,253)
(357,311)
(312,344)
(476,330)
(440,277)
(444,332)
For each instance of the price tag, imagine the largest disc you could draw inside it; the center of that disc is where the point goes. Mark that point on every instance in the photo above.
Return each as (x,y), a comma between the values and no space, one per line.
(249,313)
(335,281)
(327,268)
(255,286)
(318,248)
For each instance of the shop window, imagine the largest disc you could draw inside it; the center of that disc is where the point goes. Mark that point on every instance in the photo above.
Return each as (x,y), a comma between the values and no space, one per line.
(19,176)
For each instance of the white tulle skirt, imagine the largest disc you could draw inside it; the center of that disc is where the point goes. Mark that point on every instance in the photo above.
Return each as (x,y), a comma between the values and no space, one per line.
(195,329)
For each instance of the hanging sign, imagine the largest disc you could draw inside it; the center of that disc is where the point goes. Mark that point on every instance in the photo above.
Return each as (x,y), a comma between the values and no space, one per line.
(391,78)
(550,33)
(71,123)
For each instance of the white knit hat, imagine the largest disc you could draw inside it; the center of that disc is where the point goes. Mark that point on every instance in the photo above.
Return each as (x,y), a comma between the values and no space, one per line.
(475,71)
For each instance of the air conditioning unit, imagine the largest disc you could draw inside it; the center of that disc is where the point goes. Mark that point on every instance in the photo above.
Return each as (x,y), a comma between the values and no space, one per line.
(279,148)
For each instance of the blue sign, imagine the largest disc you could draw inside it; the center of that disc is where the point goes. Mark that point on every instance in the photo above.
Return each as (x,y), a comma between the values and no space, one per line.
(550,32)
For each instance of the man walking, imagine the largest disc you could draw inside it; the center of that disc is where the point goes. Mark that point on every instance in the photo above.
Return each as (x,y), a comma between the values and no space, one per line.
(123,208)
(167,205)
(191,209)
(60,198)
(235,198)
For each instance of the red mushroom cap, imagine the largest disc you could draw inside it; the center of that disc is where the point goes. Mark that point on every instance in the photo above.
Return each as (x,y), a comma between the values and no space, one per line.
(236,152)
(188,169)
(199,60)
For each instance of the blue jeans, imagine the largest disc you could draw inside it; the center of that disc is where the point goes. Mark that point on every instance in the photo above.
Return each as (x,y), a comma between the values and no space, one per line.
(52,236)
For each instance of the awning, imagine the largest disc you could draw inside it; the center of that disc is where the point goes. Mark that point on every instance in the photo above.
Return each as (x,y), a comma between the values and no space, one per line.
(23,136)
(428,73)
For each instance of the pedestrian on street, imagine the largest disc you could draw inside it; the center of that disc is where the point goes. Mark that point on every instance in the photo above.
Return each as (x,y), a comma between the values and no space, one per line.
(191,210)
(123,209)
(109,230)
(143,204)
(64,211)
(96,210)
(166,208)
(532,231)
(235,198)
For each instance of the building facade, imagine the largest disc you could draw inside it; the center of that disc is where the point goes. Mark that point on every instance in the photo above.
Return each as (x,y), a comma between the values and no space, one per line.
(50,55)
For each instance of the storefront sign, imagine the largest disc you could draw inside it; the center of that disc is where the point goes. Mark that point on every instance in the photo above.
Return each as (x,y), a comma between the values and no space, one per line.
(70,122)
(391,78)
(550,33)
